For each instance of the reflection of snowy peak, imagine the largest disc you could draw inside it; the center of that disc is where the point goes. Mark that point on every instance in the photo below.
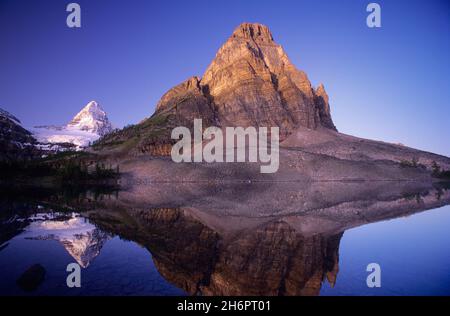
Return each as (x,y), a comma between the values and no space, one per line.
(82,240)
(85,247)
(86,127)
(92,119)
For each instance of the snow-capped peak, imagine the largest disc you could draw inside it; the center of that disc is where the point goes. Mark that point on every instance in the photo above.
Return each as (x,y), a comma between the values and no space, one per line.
(86,127)
(92,119)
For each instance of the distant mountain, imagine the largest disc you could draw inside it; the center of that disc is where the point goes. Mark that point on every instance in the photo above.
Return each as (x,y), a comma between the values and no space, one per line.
(86,127)
(15,141)
(91,119)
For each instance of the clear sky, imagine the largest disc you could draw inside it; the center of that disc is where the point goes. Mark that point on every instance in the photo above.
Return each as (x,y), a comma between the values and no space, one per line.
(391,83)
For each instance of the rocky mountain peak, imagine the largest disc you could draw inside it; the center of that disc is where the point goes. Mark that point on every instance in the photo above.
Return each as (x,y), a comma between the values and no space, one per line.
(254,31)
(91,118)
(320,91)
(252,82)
(93,107)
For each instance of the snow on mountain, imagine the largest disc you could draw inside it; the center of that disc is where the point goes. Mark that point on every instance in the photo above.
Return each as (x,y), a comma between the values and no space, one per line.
(92,119)
(82,240)
(49,135)
(86,127)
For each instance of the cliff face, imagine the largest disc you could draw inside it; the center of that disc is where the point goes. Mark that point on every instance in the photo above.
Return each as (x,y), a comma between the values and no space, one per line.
(252,82)
(187,102)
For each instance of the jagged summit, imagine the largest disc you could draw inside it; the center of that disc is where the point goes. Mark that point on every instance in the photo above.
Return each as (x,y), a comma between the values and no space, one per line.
(254,31)
(91,118)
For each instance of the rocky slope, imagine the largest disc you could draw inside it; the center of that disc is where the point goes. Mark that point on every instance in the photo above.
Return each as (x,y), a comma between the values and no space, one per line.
(16,142)
(19,143)
(251,82)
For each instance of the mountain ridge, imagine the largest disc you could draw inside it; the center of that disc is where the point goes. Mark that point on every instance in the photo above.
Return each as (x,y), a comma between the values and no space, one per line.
(251,82)
(16,142)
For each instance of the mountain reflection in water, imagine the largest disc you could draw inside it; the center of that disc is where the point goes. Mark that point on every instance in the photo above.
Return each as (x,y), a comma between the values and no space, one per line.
(82,240)
(232,239)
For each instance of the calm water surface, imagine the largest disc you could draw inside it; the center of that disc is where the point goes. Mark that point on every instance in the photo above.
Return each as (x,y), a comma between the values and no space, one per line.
(125,250)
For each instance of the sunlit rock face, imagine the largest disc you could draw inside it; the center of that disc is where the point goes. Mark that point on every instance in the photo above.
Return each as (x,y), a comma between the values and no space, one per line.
(251,82)
(82,240)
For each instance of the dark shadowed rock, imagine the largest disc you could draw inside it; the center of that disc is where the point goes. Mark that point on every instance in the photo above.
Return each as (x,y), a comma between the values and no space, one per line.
(321,99)
(16,143)
(31,278)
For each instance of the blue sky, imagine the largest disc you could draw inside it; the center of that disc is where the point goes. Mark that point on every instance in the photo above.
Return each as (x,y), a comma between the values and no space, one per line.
(388,84)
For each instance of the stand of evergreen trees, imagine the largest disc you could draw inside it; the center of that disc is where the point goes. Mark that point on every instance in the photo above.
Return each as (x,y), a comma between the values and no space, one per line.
(62,170)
